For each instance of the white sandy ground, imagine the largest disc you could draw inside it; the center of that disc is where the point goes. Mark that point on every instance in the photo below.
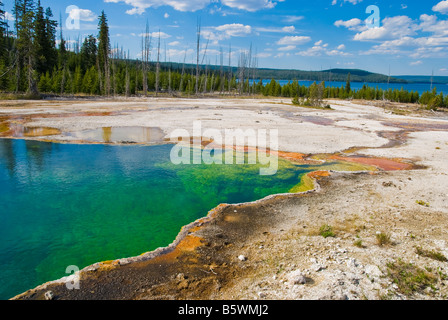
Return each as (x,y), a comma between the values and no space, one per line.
(295,134)
(357,206)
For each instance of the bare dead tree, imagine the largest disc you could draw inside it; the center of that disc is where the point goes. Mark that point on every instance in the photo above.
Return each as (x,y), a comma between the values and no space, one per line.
(249,68)
(158,67)
(128,78)
(144,73)
(242,65)
(254,71)
(206,67)
(221,70)
(136,75)
(230,68)
(198,41)
(181,86)
(146,49)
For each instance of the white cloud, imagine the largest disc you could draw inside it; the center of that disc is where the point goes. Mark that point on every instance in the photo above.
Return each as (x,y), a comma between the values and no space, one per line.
(321,48)
(416,48)
(354,24)
(391,28)
(139,6)
(337,53)
(432,24)
(226,31)
(251,5)
(351,1)
(174,43)
(287,48)
(426,37)
(235,29)
(292,19)
(293,40)
(428,52)
(416,63)
(311,52)
(82,14)
(166,15)
(174,54)
(156,35)
(9,16)
(441,7)
(290,29)
(264,55)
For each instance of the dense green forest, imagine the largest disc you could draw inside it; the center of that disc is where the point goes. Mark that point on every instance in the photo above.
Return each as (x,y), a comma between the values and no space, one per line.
(32,61)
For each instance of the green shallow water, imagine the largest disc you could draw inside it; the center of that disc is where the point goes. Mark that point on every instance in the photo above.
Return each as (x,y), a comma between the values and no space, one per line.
(68,204)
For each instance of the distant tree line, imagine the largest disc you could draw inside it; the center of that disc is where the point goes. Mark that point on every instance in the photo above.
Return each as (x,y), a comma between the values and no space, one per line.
(314,94)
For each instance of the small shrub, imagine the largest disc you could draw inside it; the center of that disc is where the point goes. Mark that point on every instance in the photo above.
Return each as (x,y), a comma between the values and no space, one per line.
(358,243)
(422,203)
(383,239)
(326,231)
(432,254)
(410,278)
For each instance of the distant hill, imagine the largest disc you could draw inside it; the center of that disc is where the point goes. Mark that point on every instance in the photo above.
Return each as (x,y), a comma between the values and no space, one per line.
(424,79)
(356,75)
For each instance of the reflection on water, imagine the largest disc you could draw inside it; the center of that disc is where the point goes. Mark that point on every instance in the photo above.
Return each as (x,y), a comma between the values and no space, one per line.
(17,130)
(125,135)
(142,135)
(24,159)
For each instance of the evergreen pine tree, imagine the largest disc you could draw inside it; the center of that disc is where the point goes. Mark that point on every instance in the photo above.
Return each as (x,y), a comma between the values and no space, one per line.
(40,38)
(103,52)
(348,85)
(89,52)
(51,53)
(25,44)
(3,34)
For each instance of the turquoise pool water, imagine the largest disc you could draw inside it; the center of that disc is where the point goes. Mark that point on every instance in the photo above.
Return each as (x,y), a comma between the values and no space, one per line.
(68,204)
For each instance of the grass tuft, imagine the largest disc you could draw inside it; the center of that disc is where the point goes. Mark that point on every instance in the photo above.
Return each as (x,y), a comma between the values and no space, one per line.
(432,254)
(422,203)
(383,239)
(326,231)
(409,278)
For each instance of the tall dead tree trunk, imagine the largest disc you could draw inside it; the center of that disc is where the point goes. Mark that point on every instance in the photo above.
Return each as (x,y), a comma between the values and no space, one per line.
(158,67)
(198,36)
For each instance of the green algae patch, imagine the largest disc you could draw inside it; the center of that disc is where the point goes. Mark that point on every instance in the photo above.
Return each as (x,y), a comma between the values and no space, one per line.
(345,166)
(239,182)
(307,183)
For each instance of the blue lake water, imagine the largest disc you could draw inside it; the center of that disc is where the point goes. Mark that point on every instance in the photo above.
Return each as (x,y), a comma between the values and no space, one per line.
(419,87)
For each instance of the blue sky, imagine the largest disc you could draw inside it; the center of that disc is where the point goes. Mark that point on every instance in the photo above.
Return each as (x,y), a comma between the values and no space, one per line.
(411,37)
